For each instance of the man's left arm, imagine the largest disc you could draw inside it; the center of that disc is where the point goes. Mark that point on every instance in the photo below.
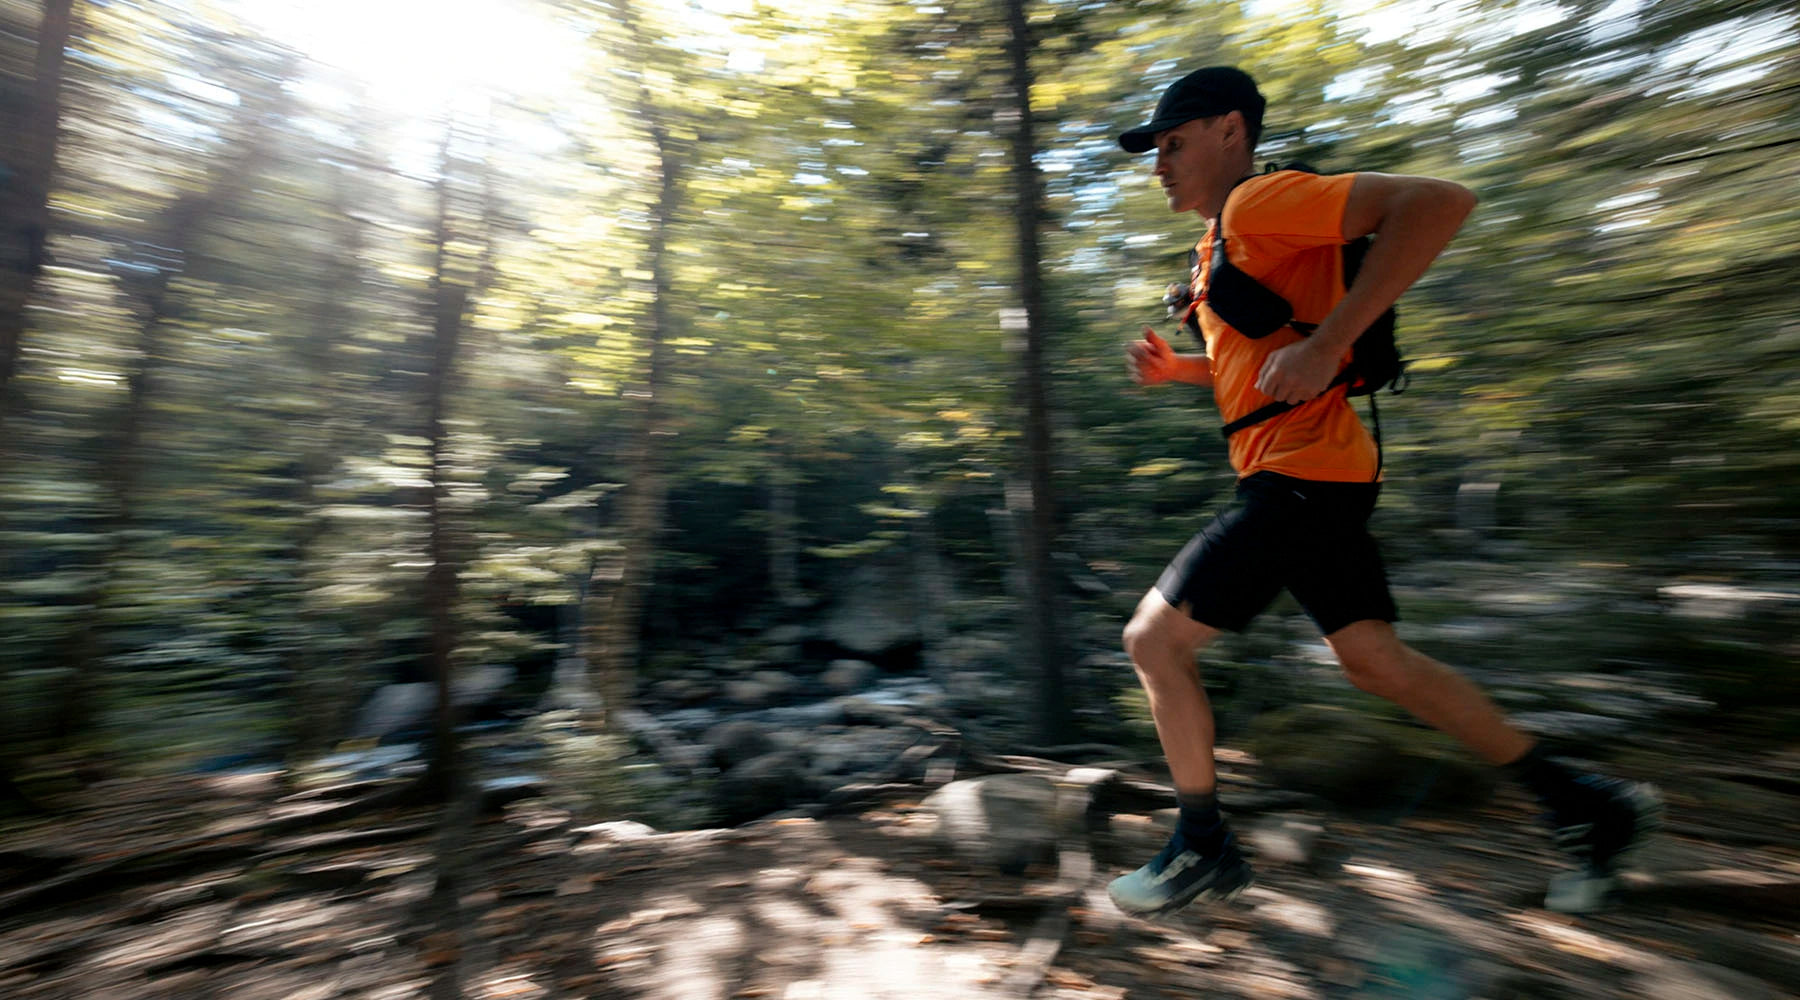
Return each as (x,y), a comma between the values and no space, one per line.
(1412,219)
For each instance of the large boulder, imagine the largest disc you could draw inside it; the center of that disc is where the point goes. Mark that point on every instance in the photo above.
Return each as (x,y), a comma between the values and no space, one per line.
(395,708)
(762,687)
(875,613)
(849,676)
(762,785)
(690,688)
(1003,821)
(980,651)
(842,752)
(1363,762)
(738,741)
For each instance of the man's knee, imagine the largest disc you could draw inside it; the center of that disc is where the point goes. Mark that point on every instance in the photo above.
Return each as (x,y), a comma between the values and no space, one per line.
(1373,658)
(1140,635)
(1159,634)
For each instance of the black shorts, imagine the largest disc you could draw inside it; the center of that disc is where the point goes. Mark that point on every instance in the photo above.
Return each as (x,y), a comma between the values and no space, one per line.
(1310,537)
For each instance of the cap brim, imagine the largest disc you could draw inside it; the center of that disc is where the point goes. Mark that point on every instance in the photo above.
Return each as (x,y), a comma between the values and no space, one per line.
(1143,138)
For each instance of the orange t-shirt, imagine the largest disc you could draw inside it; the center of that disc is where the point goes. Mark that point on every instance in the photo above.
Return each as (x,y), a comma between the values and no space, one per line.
(1285,229)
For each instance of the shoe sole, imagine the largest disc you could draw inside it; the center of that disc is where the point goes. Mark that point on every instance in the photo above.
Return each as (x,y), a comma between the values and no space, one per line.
(1206,895)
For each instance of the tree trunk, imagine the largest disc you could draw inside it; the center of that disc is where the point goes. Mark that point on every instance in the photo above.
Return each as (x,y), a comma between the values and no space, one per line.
(612,633)
(121,456)
(450,302)
(30,157)
(642,500)
(321,692)
(1043,638)
(440,580)
(784,539)
(933,582)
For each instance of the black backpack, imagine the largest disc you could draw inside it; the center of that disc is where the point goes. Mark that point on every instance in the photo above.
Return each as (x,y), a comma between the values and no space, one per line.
(1255,311)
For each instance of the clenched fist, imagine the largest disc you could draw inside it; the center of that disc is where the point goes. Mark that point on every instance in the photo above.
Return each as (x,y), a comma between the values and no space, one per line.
(1152,359)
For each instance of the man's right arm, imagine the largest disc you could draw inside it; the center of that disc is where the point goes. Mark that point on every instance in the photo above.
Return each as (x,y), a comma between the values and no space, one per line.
(1153,361)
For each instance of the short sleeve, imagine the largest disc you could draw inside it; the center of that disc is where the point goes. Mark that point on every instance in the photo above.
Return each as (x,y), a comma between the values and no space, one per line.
(1284,213)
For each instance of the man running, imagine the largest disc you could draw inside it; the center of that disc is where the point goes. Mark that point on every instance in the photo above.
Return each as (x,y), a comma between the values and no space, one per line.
(1308,479)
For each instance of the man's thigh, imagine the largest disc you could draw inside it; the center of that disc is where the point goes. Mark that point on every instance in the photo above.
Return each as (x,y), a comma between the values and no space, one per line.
(1333,567)
(1229,572)
(1170,625)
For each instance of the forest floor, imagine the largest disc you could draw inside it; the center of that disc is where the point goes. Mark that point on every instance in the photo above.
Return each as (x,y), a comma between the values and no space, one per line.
(176,888)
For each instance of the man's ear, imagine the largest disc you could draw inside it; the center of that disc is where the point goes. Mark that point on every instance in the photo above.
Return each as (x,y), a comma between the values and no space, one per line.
(1235,129)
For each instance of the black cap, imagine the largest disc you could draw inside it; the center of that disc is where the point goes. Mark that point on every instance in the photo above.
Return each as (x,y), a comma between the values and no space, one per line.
(1200,94)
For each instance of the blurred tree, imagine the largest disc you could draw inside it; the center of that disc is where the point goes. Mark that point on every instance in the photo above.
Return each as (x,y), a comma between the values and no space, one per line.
(455,282)
(1048,652)
(614,617)
(29,117)
(1629,167)
(148,272)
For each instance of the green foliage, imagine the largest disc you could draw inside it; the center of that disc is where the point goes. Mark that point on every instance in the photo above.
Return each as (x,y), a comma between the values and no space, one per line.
(586,768)
(216,463)
(1362,761)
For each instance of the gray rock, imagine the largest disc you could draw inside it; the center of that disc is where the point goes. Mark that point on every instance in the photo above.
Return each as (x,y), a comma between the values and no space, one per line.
(787,657)
(1670,979)
(779,683)
(1360,761)
(616,831)
(738,741)
(1721,601)
(761,786)
(975,651)
(853,711)
(857,751)
(875,615)
(570,687)
(847,676)
(685,690)
(750,692)
(786,635)
(1004,821)
(979,687)
(1285,840)
(496,793)
(396,707)
(1577,728)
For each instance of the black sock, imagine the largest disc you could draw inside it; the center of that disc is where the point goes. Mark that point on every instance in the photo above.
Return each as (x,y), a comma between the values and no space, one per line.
(1557,785)
(1200,824)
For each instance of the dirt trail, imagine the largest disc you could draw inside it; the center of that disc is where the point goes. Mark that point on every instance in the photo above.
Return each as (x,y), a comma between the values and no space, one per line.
(866,906)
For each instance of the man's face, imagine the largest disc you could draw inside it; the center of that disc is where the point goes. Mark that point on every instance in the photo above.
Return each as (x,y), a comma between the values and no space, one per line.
(1192,166)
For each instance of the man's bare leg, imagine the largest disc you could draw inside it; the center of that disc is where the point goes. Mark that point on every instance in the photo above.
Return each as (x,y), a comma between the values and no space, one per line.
(1376,661)
(1598,820)
(1162,642)
(1201,860)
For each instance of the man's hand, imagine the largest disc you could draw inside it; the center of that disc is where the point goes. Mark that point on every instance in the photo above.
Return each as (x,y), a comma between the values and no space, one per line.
(1297,372)
(1152,359)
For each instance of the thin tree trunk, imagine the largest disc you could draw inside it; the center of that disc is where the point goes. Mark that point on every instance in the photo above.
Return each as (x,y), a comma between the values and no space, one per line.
(1044,640)
(448,775)
(646,489)
(440,580)
(450,303)
(121,455)
(320,693)
(934,596)
(784,539)
(30,156)
(612,634)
